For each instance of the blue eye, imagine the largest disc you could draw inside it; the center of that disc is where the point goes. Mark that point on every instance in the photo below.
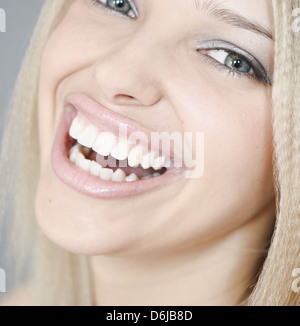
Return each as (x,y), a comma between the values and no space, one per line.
(238,64)
(231,60)
(234,62)
(125,7)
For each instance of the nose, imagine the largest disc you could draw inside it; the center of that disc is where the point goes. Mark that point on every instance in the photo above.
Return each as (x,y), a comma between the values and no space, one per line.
(126,75)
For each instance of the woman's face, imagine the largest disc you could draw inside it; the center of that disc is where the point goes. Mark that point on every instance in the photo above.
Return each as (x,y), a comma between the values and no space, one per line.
(186,67)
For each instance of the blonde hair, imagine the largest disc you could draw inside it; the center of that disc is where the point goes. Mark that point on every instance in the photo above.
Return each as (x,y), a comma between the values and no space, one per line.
(62,278)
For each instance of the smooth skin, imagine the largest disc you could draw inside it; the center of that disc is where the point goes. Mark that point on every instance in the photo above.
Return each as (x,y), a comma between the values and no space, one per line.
(195,241)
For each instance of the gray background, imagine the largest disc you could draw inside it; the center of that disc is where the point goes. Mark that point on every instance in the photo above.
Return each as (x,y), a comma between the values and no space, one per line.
(21,16)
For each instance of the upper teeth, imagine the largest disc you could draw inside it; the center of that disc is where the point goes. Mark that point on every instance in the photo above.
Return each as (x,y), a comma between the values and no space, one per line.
(106,143)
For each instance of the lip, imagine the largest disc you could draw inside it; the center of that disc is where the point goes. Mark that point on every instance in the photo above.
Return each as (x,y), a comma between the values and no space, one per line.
(83,181)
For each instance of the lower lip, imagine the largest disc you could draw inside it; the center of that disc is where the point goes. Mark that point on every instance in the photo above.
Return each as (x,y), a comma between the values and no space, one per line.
(90,185)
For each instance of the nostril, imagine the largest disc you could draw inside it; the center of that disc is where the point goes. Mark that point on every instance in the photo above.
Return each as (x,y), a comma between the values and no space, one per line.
(125,99)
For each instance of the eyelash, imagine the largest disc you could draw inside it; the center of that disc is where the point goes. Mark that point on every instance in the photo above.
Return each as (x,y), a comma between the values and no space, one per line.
(98,4)
(254,76)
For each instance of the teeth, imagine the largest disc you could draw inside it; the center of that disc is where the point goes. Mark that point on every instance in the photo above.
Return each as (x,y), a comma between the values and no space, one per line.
(120,150)
(159,163)
(156,174)
(88,137)
(95,169)
(168,164)
(132,177)
(76,156)
(148,160)
(146,177)
(119,176)
(76,128)
(73,157)
(135,156)
(73,153)
(82,162)
(106,174)
(104,143)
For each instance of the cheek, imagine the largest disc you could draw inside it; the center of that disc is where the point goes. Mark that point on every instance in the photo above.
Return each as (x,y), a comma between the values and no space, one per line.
(237,127)
(238,175)
(68,50)
(241,143)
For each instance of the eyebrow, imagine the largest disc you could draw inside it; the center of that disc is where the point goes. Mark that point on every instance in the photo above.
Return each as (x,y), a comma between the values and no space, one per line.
(232,18)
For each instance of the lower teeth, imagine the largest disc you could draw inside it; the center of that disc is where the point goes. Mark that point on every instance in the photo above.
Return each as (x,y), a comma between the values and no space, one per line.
(77,156)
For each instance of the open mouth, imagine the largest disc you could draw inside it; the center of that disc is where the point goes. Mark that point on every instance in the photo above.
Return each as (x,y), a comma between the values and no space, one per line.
(89,155)
(110,158)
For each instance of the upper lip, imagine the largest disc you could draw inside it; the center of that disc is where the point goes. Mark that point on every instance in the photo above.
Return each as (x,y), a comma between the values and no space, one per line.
(105,119)
(101,116)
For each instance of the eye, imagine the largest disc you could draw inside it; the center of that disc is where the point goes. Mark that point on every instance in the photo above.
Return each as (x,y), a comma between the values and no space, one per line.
(243,65)
(231,60)
(124,7)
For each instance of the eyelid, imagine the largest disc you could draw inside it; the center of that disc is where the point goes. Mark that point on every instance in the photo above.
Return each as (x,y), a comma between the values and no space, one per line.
(133,6)
(229,72)
(231,48)
(103,4)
